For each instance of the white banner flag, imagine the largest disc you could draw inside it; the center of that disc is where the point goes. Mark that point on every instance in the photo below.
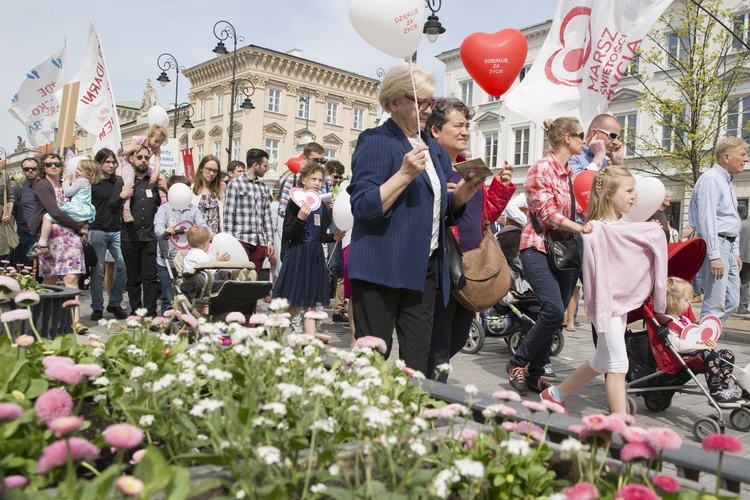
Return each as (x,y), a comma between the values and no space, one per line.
(35,104)
(96,111)
(588,49)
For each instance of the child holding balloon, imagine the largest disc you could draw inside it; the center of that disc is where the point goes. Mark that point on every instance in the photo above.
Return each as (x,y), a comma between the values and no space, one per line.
(155,137)
(303,279)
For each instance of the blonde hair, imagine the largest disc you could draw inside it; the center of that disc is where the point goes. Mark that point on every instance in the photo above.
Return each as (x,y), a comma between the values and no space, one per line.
(396,84)
(91,169)
(607,181)
(677,289)
(558,128)
(157,133)
(197,236)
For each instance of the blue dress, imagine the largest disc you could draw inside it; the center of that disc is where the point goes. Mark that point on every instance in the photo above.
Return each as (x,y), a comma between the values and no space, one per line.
(79,208)
(303,279)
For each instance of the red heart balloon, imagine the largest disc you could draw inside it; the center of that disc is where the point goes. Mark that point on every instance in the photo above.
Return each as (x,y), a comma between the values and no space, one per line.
(582,187)
(295,164)
(494,59)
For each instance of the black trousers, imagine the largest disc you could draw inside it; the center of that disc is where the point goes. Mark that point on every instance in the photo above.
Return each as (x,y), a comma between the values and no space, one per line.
(140,263)
(378,309)
(450,330)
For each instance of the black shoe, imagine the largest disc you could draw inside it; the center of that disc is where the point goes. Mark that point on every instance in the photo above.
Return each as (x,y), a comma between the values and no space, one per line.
(96,315)
(517,376)
(539,384)
(725,399)
(117,311)
(340,317)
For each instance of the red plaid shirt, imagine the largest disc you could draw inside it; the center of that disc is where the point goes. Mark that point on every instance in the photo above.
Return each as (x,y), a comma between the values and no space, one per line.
(548,198)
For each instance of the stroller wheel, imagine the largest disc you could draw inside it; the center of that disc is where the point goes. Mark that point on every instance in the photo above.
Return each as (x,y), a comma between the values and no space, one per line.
(558,342)
(705,426)
(740,419)
(632,405)
(475,342)
(514,341)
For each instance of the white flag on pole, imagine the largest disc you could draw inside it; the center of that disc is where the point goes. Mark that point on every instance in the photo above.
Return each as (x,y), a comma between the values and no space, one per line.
(588,49)
(96,111)
(35,104)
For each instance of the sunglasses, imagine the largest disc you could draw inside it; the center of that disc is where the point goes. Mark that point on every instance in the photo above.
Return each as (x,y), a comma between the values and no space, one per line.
(423,105)
(609,134)
(30,169)
(337,177)
(142,157)
(49,164)
(580,135)
(319,161)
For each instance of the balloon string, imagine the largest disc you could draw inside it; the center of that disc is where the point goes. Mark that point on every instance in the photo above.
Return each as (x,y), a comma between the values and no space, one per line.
(416,101)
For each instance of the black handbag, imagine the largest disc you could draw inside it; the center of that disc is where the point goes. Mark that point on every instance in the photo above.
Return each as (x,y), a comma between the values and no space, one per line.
(455,261)
(563,254)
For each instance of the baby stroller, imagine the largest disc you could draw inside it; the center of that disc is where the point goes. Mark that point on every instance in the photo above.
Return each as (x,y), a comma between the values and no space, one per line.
(512,317)
(657,371)
(193,290)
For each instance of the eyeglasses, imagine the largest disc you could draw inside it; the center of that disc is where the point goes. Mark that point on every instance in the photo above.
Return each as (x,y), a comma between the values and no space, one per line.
(319,161)
(580,135)
(423,105)
(30,169)
(609,134)
(211,171)
(337,177)
(143,157)
(56,164)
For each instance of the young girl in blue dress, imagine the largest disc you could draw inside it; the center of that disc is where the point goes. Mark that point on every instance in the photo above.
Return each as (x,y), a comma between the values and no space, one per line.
(303,279)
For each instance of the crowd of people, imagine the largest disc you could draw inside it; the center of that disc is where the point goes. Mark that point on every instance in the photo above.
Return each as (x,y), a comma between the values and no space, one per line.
(405,195)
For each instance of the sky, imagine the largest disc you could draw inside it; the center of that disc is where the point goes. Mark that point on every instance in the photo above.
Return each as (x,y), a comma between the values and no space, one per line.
(133,38)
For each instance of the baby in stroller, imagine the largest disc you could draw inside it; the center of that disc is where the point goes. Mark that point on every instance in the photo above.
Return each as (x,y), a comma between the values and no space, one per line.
(199,239)
(717,363)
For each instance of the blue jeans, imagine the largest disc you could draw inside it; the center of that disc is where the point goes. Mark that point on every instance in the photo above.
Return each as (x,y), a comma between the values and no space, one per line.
(553,292)
(721,296)
(103,241)
(167,292)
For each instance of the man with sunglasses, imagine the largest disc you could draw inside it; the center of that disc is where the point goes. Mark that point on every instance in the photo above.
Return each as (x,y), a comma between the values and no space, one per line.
(602,145)
(23,206)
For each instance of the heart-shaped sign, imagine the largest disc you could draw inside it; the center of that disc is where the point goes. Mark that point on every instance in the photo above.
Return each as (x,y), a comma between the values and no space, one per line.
(300,196)
(494,60)
(708,329)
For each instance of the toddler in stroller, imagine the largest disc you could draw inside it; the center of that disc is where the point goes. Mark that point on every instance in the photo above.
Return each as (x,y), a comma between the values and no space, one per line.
(717,364)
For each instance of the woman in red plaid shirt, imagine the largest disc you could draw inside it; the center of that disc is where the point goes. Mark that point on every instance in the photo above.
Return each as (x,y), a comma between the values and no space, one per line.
(548,195)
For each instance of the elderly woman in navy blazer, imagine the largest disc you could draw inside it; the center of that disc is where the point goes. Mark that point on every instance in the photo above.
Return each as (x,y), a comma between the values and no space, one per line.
(400,202)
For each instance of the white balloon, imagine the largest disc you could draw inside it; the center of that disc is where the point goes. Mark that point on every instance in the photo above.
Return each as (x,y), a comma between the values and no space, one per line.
(158,116)
(72,164)
(650,197)
(225,242)
(746,377)
(180,195)
(342,212)
(391,26)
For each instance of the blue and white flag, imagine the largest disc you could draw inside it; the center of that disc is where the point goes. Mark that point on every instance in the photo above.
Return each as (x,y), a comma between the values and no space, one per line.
(35,104)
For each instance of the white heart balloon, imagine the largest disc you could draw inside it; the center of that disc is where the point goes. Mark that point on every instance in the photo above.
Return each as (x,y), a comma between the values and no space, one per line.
(342,212)
(650,197)
(391,26)
(158,116)
(180,195)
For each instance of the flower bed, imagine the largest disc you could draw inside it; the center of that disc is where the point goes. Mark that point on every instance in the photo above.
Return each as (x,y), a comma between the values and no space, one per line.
(134,413)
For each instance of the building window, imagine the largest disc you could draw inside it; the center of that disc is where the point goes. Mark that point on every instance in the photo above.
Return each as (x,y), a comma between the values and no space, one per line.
(634,66)
(738,117)
(359,119)
(199,152)
(677,50)
(274,100)
(217,149)
(272,148)
(330,154)
(236,150)
(467,92)
(521,147)
(304,107)
(741,27)
(202,109)
(545,142)
(490,149)
(628,131)
(332,112)
(219,104)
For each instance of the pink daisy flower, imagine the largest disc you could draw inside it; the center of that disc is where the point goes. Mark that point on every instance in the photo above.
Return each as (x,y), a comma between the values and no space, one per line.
(53,403)
(132,319)
(236,317)
(159,320)
(63,373)
(129,485)
(170,313)
(323,337)
(372,342)
(71,304)
(27,299)
(89,369)
(534,406)
(662,438)
(189,320)
(138,456)
(635,492)
(9,286)
(10,411)
(667,484)
(258,319)
(635,434)
(24,340)
(56,454)
(532,430)
(509,426)
(553,407)
(506,395)
(123,436)
(53,360)
(581,491)
(65,425)
(722,443)
(15,315)
(635,451)
(595,422)
(15,482)
(466,436)
(317,315)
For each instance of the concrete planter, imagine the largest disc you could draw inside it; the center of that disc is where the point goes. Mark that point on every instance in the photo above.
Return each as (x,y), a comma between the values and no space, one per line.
(49,315)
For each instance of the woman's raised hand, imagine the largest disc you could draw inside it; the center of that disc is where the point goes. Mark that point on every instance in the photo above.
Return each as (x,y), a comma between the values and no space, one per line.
(415,162)
(505,176)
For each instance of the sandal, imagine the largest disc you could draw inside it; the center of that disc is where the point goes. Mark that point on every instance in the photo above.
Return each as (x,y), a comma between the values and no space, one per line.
(80,328)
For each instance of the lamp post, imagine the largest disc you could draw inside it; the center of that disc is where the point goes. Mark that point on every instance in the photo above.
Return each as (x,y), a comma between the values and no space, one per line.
(248,89)
(306,137)
(432,27)
(5,155)
(187,110)
(165,62)
(226,31)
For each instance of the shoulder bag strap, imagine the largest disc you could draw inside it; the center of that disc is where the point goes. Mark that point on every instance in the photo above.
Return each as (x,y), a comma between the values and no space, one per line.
(535,222)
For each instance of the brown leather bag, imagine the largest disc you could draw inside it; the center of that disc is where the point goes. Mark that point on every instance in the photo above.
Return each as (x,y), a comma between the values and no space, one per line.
(487,275)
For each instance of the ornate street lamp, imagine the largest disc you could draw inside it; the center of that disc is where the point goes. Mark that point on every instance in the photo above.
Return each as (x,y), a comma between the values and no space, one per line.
(433,28)
(247,89)
(306,136)
(5,155)
(165,62)
(187,110)
(226,31)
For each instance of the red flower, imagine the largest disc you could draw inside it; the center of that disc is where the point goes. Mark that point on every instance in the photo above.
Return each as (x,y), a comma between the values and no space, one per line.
(634,451)
(721,443)
(667,484)
(581,491)
(635,492)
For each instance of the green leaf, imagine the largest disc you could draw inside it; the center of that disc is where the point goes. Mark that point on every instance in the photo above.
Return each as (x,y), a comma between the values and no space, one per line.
(179,487)
(154,471)
(36,388)
(105,480)
(340,494)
